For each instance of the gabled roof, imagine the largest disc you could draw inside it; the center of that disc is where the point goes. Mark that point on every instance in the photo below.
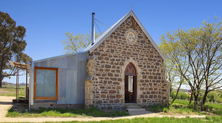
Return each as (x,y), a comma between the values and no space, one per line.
(109,31)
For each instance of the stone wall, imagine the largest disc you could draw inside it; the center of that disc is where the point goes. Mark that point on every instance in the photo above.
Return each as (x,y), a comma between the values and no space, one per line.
(45,104)
(109,60)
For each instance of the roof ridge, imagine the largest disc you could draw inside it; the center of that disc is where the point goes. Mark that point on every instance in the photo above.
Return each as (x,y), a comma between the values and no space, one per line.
(102,37)
(104,33)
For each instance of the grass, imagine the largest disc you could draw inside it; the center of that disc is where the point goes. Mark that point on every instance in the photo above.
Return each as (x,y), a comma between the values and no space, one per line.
(10,90)
(66,113)
(183,107)
(209,119)
(217,108)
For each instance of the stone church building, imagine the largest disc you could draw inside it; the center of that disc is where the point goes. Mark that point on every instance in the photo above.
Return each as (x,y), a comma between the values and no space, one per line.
(123,65)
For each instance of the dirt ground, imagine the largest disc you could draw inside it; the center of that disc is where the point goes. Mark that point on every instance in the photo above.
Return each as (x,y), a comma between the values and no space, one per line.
(6,103)
(11,91)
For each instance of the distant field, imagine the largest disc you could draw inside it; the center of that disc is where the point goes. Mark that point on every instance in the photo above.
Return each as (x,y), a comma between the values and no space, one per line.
(9,90)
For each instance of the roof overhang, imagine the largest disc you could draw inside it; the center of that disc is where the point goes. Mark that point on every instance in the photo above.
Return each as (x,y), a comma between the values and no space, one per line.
(20,65)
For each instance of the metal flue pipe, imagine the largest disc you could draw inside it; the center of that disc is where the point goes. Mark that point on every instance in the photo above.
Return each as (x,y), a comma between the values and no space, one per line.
(93,28)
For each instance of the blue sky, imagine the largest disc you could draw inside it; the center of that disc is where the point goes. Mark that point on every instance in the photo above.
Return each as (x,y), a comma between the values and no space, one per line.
(47,21)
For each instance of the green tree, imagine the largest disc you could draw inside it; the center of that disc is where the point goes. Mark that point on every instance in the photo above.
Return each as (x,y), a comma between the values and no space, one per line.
(172,95)
(212,96)
(171,74)
(211,41)
(12,45)
(196,54)
(76,43)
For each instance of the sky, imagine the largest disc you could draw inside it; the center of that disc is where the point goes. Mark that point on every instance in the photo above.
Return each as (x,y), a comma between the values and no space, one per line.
(46,21)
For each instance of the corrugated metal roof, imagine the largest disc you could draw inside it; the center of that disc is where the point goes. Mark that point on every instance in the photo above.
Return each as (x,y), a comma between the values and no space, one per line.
(109,31)
(55,57)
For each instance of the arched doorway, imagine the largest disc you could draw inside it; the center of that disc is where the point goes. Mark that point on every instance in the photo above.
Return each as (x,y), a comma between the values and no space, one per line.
(130,84)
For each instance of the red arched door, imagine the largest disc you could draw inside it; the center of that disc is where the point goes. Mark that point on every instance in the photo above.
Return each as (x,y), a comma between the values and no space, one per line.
(130,84)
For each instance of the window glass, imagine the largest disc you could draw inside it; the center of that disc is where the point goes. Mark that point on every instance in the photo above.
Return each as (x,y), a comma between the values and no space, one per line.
(45,83)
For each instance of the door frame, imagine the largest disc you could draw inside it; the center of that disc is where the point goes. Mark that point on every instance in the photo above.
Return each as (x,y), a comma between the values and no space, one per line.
(131,72)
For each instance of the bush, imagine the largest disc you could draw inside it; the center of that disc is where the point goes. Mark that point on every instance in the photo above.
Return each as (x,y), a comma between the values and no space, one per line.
(181,95)
(218,112)
(176,106)
(219,100)
(165,110)
(172,95)
(212,96)
(157,108)
(207,108)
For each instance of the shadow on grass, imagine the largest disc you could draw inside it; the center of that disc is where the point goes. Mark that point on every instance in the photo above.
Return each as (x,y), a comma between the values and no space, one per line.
(183,107)
(66,113)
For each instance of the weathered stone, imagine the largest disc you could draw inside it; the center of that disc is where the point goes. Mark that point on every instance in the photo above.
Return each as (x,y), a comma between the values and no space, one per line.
(96,53)
(108,65)
(116,101)
(112,50)
(118,96)
(120,79)
(151,96)
(114,79)
(100,58)
(110,74)
(103,96)
(116,83)
(112,91)
(150,77)
(118,87)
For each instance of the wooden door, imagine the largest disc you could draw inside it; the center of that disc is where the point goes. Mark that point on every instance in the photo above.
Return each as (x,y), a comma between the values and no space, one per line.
(130,84)
(130,89)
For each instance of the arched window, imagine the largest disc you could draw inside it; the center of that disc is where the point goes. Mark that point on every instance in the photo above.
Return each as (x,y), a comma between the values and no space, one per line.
(130,70)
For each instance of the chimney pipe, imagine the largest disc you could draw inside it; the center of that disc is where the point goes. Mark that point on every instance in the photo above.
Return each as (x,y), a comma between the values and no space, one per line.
(93,28)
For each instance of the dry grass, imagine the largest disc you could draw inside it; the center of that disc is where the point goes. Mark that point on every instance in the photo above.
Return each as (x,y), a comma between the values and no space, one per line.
(9,90)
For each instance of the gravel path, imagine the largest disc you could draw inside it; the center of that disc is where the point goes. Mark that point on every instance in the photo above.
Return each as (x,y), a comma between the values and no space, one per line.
(5,104)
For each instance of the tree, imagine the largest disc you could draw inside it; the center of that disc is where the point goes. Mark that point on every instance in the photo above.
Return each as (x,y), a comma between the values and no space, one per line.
(212,56)
(12,45)
(212,96)
(171,73)
(196,54)
(76,43)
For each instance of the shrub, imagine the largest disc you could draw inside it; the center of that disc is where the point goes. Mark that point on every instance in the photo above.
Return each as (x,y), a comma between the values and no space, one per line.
(208,117)
(207,108)
(176,106)
(165,110)
(212,96)
(219,100)
(172,95)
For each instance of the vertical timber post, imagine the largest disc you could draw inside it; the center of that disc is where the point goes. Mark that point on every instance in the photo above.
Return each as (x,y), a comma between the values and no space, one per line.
(26,89)
(31,82)
(17,85)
